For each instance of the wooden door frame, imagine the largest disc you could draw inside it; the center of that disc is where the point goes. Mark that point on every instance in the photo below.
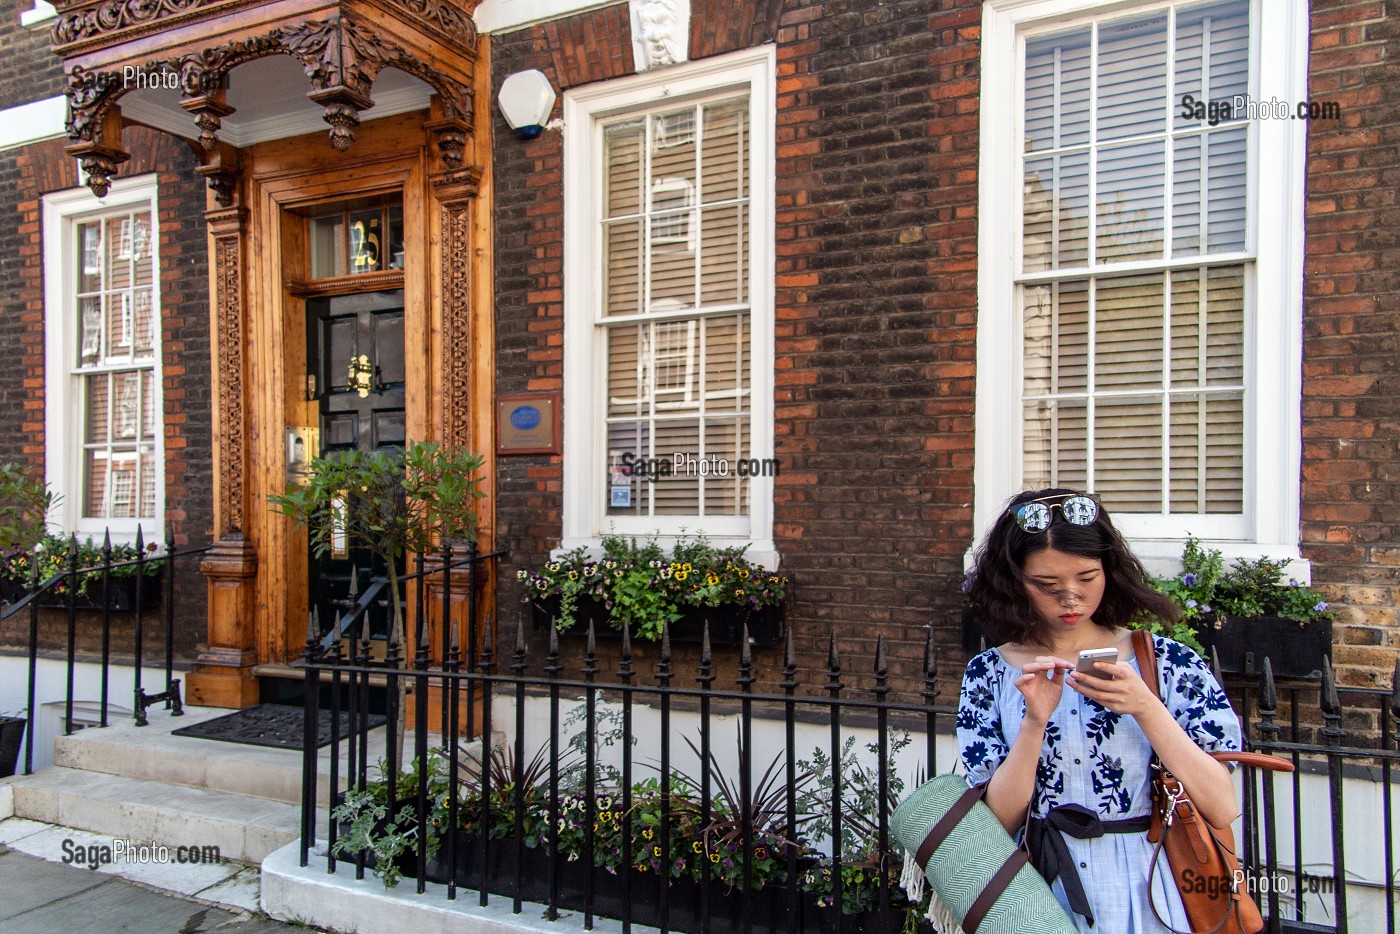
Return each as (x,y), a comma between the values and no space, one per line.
(282,188)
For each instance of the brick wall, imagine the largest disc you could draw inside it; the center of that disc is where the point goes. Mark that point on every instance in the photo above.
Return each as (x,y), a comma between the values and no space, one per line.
(1351,388)
(28,173)
(29,71)
(875,308)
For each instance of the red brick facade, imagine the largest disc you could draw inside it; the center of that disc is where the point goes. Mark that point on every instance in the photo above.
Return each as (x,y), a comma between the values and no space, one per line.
(876,311)
(1351,387)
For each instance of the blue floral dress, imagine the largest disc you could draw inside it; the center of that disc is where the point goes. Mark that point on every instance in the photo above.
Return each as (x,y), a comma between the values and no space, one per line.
(1099,759)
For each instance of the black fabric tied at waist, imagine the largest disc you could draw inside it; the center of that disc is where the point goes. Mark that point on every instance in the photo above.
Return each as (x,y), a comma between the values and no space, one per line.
(1051,856)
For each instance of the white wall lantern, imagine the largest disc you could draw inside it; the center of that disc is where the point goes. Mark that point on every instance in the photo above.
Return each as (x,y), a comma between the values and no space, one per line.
(526,100)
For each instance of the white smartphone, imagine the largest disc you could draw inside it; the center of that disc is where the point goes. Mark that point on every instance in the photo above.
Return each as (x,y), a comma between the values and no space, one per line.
(1089,656)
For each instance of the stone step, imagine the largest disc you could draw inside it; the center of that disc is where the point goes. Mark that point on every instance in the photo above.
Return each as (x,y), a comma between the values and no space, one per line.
(244,828)
(154,753)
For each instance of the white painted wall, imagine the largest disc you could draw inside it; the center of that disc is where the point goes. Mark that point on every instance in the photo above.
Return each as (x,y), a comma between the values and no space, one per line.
(50,688)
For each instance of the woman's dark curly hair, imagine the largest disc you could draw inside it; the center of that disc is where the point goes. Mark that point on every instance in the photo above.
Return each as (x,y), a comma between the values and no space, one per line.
(997,588)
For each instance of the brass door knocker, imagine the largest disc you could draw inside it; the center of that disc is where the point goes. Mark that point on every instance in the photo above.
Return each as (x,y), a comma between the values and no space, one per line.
(360,375)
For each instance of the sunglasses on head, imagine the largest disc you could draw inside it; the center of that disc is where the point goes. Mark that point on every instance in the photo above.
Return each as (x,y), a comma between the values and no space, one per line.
(1034,515)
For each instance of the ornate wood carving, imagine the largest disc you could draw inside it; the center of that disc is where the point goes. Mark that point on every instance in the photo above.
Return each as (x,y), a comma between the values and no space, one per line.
(455,191)
(444,18)
(76,25)
(340,57)
(226,228)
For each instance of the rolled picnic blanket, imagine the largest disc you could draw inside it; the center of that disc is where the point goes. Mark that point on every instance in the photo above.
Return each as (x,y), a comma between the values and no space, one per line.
(977,872)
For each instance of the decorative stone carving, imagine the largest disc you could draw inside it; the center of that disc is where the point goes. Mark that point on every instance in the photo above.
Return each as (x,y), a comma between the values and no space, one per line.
(660,32)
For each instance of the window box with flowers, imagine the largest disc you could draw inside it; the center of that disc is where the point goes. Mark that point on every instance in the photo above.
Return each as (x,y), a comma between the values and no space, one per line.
(53,555)
(641,586)
(1248,612)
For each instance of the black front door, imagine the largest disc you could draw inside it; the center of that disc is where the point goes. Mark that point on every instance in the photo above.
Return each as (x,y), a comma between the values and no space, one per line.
(355,352)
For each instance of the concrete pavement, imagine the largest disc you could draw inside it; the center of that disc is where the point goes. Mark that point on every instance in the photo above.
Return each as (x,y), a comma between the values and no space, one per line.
(41,895)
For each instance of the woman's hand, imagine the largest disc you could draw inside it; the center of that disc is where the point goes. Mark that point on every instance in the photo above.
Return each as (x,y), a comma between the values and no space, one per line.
(1042,694)
(1117,686)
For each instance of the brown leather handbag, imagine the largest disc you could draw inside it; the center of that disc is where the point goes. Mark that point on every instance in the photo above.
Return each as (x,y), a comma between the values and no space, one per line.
(1201,857)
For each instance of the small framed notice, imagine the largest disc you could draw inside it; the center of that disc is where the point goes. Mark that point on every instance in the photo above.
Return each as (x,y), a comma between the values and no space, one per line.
(528,423)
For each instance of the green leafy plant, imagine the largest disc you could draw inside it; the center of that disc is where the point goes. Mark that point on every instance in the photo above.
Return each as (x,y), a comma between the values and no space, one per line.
(643,587)
(24,508)
(721,848)
(368,829)
(859,803)
(390,503)
(1207,592)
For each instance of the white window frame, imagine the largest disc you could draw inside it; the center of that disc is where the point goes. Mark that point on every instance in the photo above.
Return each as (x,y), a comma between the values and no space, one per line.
(63,407)
(1273,366)
(585,517)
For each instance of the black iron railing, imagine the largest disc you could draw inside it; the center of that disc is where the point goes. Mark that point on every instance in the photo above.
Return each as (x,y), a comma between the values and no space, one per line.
(95,586)
(593,763)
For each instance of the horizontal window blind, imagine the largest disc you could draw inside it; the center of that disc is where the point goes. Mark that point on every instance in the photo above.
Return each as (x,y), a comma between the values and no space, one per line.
(1134,261)
(675,310)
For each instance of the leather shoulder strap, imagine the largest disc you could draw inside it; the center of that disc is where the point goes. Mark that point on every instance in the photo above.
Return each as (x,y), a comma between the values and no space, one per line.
(1147,660)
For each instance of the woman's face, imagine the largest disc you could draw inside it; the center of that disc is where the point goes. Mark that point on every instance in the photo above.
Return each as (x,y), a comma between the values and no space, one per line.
(1064,589)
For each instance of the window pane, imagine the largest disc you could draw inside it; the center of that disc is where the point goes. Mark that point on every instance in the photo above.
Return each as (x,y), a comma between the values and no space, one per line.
(1132,91)
(1130,201)
(95,484)
(1224,453)
(722,162)
(725,368)
(119,241)
(1128,452)
(724,270)
(1055,211)
(1214,303)
(622,178)
(1056,444)
(1209,188)
(90,258)
(144,323)
(97,414)
(725,444)
(1128,333)
(90,329)
(625,371)
(1057,91)
(628,494)
(1212,54)
(622,267)
(679,493)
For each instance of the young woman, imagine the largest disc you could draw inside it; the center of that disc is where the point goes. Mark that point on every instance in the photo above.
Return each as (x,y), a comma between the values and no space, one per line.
(1054,578)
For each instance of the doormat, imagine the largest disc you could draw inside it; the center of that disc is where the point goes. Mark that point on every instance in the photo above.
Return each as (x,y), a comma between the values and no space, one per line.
(276,725)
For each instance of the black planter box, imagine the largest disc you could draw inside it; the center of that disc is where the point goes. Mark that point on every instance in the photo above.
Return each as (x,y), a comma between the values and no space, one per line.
(771,908)
(11,741)
(1242,643)
(726,622)
(121,594)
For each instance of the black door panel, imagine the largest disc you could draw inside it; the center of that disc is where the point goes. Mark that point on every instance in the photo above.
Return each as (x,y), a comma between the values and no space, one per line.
(366,416)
